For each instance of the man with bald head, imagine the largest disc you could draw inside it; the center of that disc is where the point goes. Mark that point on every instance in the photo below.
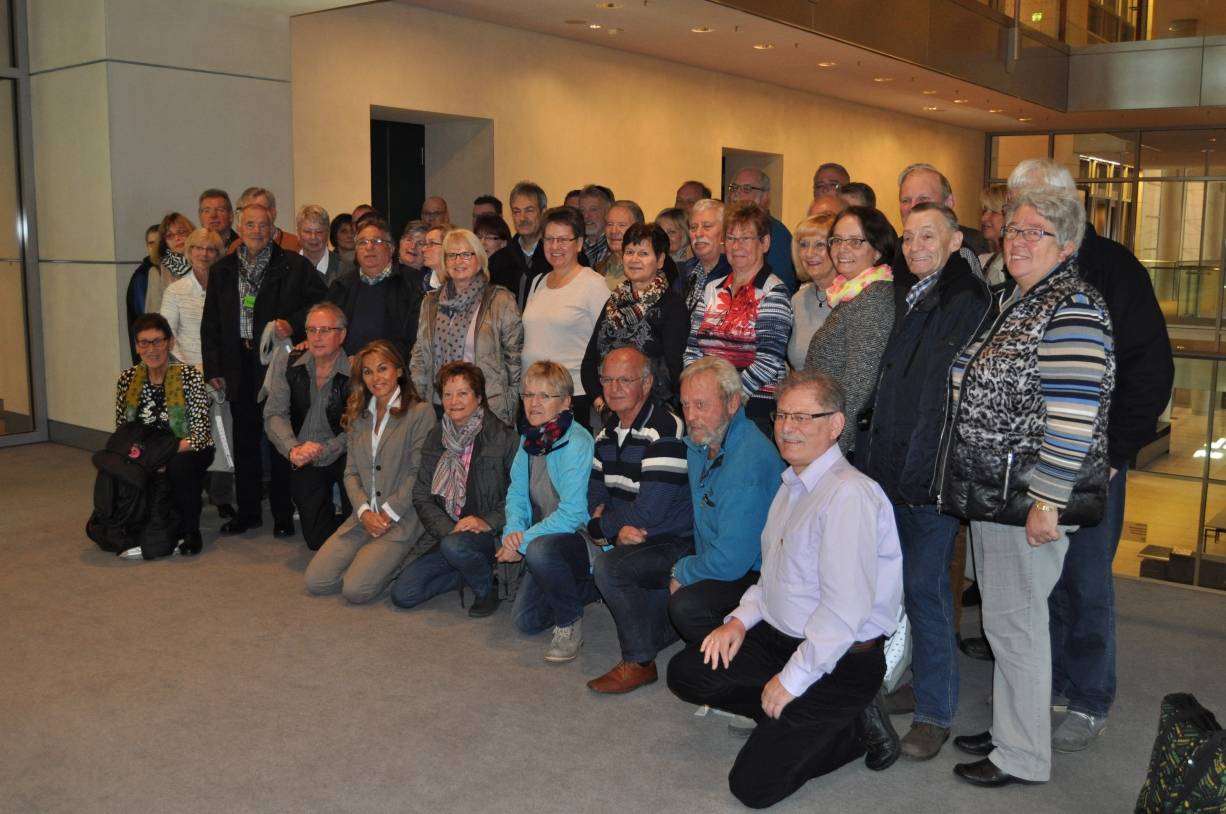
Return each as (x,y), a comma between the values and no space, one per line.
(752,185)
(641,513)
(690,193)
(434,211)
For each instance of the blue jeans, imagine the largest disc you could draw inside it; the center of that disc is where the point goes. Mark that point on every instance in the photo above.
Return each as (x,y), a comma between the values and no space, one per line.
(633,579)
(1082,608)
(467,554)
(557,583)
(927,538)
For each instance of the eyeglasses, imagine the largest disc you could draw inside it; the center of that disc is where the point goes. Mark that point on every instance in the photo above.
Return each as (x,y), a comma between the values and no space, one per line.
(853,242)
(812,244)
(451,257)
(1029,235)
(827,186)
(374,241)
(541,396)
(800,419)
(620,381)
(147,344)
(321,330)
(735,188)
(559,239)
(735,239)
(434,243)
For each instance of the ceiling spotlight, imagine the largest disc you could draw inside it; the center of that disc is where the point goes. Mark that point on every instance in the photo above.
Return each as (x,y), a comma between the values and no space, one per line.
(595,26)
(961,101)
(826,64)
(762,46)
(929,92)
(932,109)
(996,110)
(883,79)
(702,29)
(612,32)
(1024,118)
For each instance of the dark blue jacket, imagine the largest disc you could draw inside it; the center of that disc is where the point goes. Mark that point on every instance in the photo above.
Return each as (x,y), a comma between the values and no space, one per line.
(900,449)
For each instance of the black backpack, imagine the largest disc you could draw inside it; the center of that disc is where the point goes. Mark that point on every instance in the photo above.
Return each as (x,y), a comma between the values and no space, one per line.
(132,503)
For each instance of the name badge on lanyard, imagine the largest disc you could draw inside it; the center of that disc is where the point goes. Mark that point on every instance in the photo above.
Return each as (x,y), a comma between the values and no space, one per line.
(249,301)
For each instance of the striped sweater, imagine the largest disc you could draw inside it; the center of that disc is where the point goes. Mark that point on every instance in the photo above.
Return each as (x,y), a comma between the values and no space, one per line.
(642,481)
(750,329)
(1039,384)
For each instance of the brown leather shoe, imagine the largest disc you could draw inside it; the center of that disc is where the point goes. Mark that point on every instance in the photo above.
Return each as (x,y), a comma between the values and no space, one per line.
(624,677)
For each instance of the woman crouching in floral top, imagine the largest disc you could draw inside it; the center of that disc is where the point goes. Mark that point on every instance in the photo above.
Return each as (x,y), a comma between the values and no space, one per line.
(161,392)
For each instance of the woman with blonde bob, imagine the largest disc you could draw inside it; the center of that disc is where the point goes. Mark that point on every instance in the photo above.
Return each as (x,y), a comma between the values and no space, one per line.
(468,319)
(386,424)
(815,271)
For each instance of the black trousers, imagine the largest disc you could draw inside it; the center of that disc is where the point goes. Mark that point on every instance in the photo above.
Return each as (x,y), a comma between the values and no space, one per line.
(311,487)
(280,491)
(819,731)
(186,473)
(695,610)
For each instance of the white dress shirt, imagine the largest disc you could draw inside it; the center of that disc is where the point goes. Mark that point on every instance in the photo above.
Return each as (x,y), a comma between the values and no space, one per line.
(376,432)
(831,567)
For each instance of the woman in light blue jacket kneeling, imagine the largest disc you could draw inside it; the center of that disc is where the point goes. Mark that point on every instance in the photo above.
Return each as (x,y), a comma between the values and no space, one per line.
(546,507)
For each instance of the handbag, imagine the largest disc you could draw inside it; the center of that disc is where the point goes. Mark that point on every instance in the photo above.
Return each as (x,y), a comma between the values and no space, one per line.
(1187,770)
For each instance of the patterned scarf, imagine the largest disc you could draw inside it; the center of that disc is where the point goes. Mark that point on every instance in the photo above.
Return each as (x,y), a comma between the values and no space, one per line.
(172,386)
(455,313)
(176,264)
(451,475)
(845,290)
(542,440)
(624,325)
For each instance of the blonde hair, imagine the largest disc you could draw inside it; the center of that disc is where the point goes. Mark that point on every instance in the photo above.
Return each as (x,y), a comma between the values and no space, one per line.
(551,374)
(472,243)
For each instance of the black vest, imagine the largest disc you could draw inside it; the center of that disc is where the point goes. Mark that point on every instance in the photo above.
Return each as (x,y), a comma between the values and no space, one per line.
(300,387)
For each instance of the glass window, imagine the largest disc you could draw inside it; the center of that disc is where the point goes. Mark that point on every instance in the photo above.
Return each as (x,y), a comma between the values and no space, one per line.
(1186,18)
(1007,151)
(1182,153)
(1098,155)
(6,33)
(16,408)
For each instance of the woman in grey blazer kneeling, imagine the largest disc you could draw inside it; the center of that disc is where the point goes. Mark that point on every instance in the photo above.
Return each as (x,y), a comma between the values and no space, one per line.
(386,424)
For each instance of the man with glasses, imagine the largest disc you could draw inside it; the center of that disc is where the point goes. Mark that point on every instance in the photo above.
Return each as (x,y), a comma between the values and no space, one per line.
(640,505)
(257,284)
(380,299)
(594,204)
(830,179)
(307,390)
(802,652)
(752,185)
(217,213)
(434,211)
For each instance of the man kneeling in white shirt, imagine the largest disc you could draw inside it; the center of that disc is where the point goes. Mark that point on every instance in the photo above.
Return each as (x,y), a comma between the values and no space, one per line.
(802,653)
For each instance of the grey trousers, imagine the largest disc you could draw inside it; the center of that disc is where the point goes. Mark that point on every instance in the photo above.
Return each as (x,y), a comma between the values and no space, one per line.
(356,564)
(1015,580)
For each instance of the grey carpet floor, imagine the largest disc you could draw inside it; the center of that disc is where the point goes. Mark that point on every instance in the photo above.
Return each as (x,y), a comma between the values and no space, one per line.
(216,684)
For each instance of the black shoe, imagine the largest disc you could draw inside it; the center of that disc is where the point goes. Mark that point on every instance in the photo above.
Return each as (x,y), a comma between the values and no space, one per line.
(285,529)
(976,647)
(225,511)
(484,605)
(899,702)
(979,745)
(970,597)
(880,739)
(988,774)
(240,524)
(191,545)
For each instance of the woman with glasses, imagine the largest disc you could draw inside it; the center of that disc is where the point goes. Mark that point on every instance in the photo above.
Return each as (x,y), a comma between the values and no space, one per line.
(815,272)
(644,312)
(849,343)
(745,317)
(468,319)
(493,232)
(172,260)
(160,392)
(1025,461)
(563,305)
(546,506)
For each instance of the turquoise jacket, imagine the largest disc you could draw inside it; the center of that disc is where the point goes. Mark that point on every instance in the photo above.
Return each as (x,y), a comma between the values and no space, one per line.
(570,467)
(732,495)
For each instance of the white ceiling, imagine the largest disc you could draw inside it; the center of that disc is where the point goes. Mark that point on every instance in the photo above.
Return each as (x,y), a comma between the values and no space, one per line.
(661,28)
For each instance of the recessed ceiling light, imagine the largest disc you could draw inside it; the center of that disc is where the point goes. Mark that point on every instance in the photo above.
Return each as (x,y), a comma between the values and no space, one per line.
(612,32)
(575,22)
(595,26)
(932,109)
(762,46)
(929,92)
(702,29)
(961,101)
(996,110)
(826,64)
(608,5)
(1024,118)
(883,79)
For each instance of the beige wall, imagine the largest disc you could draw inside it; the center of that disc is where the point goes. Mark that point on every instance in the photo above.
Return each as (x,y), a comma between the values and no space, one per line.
(668,122)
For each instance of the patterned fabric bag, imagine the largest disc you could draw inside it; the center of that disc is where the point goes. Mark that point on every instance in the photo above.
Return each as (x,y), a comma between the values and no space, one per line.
(1187,771)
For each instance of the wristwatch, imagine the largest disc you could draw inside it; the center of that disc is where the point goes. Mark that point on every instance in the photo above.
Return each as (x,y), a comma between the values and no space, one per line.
(1044,506)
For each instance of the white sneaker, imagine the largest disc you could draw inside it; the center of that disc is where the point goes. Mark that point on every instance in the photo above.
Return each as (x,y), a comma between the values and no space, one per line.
(133,553)
(566,642)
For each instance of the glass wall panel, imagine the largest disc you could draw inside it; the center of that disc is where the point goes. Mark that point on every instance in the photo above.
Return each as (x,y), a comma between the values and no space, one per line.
(1186,18)
(16,408)
(1182,153)
(6,33)
(1098,155)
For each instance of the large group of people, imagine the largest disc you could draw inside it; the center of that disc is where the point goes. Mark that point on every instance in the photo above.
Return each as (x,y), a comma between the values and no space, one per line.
(761,442)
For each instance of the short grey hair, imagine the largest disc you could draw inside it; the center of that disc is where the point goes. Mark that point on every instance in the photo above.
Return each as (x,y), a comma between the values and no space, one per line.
(726,376)
(314,213)
(763,179)
(1040,172)
(708,203)
(947,214)
(530,189)
(330,308)
(830,394)
(251,193)
(946,188)
(634,209)
(1057,205)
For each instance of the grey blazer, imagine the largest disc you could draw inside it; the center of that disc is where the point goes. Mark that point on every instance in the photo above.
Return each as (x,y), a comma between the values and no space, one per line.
(389,473)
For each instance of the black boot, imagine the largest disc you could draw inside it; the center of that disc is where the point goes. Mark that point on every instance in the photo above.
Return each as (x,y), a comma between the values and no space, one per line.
(880,739)
(191,544)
